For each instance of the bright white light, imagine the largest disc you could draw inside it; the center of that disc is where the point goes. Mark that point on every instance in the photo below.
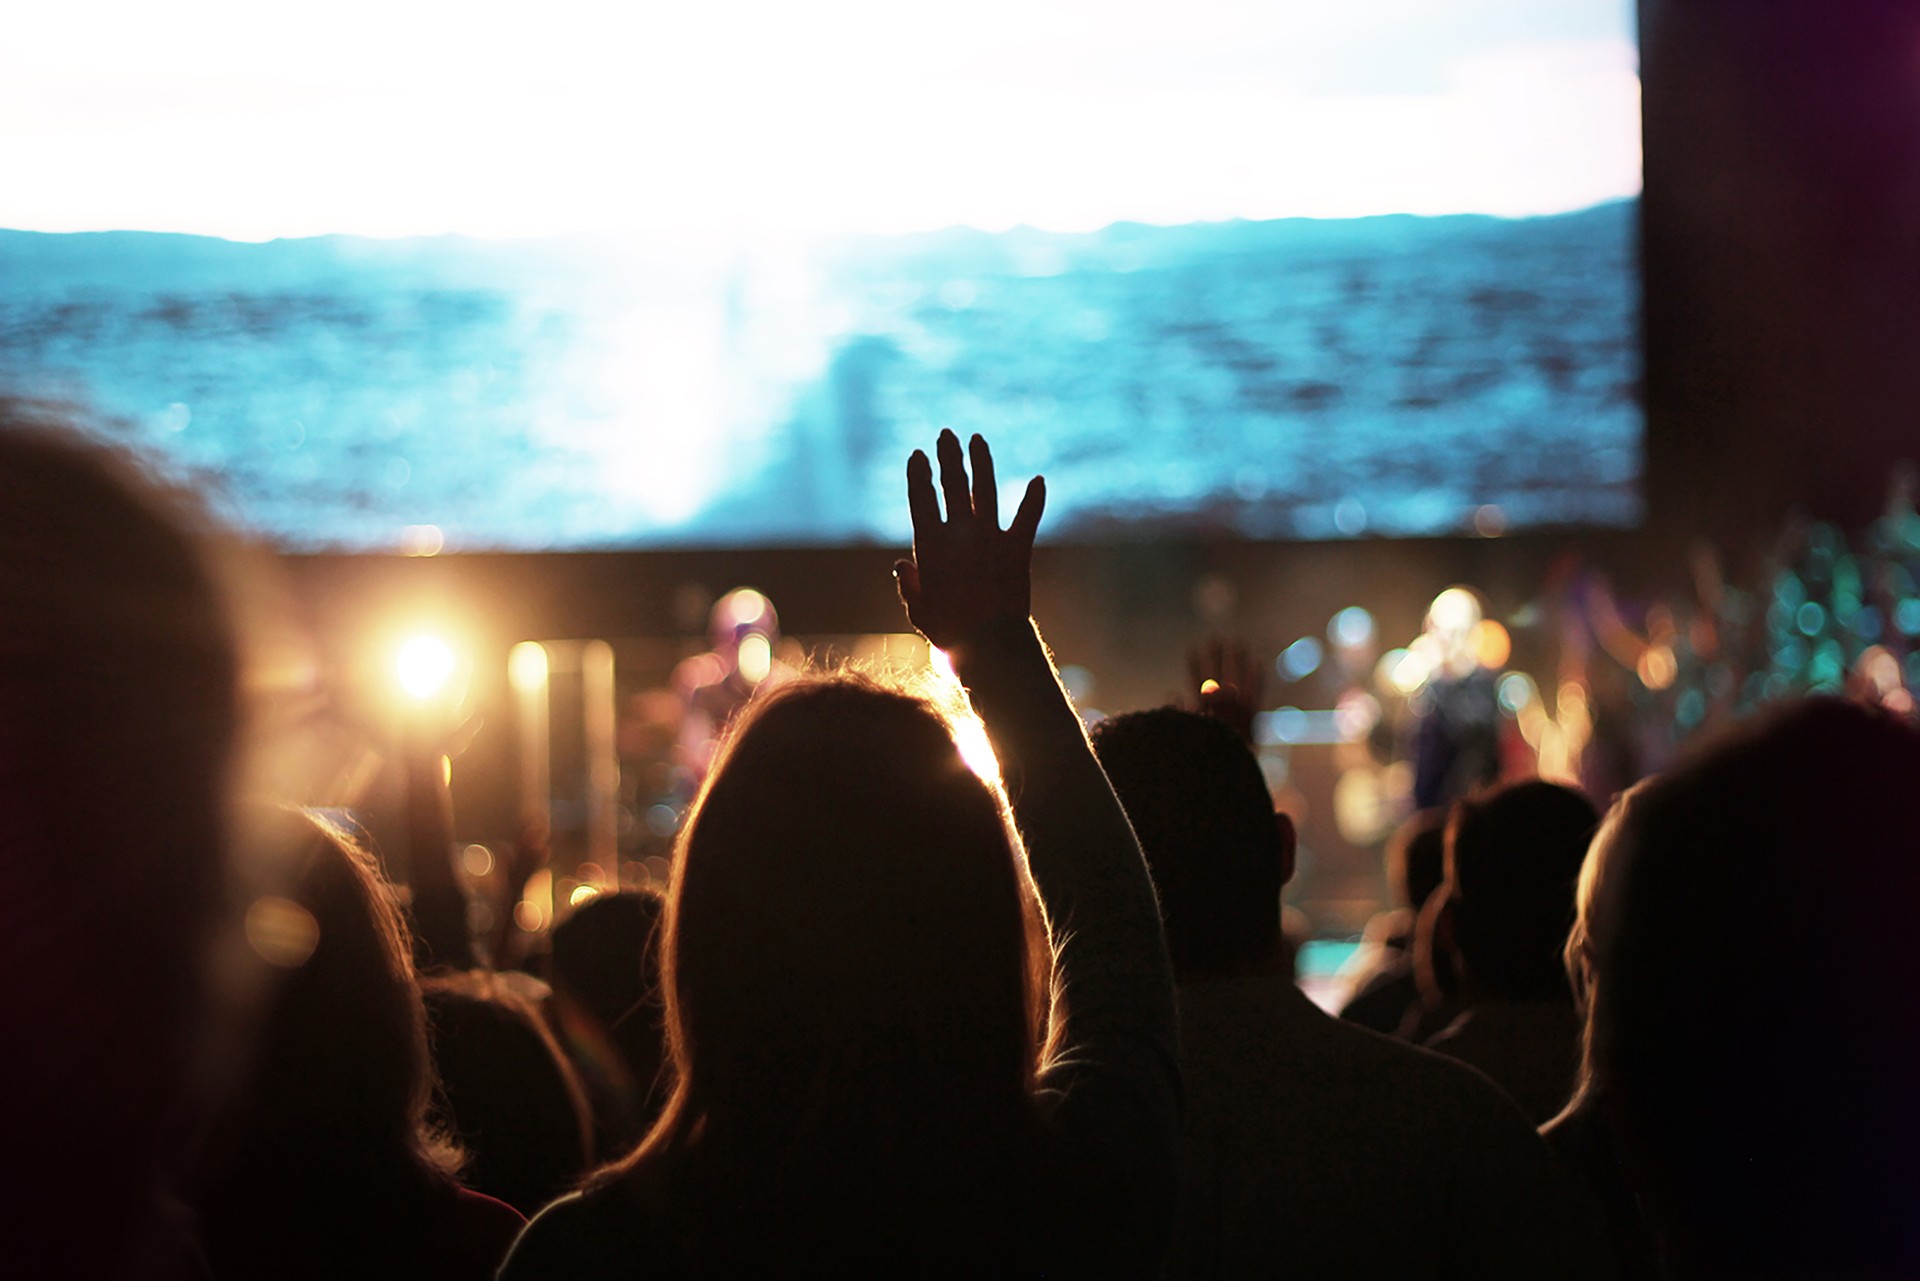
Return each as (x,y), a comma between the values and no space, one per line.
(756,658)
(745,607)
(938,660)
(424,665)
(1455,610)
(732,116)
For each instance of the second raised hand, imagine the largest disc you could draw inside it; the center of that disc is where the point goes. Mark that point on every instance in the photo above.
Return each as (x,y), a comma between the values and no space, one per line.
(965,570)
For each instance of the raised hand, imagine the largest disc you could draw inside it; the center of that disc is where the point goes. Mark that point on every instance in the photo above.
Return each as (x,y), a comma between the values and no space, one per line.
(1225,683)
(965,571)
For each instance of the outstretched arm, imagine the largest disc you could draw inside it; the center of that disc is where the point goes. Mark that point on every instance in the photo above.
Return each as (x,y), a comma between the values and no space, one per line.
(1113,1079)
(438,903)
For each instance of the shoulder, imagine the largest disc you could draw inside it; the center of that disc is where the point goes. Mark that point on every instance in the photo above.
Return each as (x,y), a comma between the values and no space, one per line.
(1265,1030)
(1465,1101)
(1510,1202)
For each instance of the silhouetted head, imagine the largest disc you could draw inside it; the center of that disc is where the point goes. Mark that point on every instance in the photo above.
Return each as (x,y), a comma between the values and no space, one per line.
(1748,922)
(1417,858)
(610,1010)
(119,710)
(507,1091)
(846,954)
(606,954)
(1218,853)
(1513,856)
(341,1082)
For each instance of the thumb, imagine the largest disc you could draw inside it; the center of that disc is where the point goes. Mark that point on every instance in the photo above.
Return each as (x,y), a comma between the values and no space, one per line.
(906,577)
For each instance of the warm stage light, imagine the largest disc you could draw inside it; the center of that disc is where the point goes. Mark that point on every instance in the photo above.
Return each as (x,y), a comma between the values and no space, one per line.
(1656,667)
(424,665)
(281,931)
(1491,644)
(527,665)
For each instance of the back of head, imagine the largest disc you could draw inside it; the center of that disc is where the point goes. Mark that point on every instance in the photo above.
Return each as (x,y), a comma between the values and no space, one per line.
(610,1012)
(846,952)
(1200,806)
(334,1111)
(509,1094)
(1417,858)
(118,714)
(1753,971)
(1513,858)
(606,953)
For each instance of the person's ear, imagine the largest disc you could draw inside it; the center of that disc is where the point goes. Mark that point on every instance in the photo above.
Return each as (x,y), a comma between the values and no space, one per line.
(1286,841)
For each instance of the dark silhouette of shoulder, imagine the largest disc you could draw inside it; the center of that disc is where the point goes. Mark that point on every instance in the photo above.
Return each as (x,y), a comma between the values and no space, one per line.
(1316,1147)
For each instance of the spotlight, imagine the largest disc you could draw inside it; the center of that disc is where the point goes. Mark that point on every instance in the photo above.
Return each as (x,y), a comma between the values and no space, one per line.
(424,665)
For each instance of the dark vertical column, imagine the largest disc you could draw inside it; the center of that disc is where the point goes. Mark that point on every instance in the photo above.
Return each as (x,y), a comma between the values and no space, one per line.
(1782,254)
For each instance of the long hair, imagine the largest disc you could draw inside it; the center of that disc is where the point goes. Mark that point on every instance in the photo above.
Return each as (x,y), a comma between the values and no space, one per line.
(849,994)
(333,1123)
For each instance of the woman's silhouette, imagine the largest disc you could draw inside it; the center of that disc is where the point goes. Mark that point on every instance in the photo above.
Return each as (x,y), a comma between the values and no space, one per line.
(851,995)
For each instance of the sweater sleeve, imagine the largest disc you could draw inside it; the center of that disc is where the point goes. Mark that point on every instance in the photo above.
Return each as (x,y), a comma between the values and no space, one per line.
(1111,1086)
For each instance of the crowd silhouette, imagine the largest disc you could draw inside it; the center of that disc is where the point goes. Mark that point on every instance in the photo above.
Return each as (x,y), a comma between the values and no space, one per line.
(896,1018)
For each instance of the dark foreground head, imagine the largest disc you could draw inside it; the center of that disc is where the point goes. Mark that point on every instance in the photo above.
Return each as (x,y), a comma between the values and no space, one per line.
(119,710)
(1748,931)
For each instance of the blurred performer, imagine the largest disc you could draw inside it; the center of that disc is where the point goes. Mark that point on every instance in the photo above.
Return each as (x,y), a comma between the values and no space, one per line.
(1456,736)
(744,631)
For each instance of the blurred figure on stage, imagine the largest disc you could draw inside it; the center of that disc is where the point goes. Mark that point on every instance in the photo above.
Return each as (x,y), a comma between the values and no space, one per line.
(1456,735)
(744,631)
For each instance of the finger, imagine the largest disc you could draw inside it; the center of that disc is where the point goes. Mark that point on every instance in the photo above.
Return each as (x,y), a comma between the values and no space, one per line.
(922,504)
(1026,519)
(1195,668)
(953,477)
(986,498)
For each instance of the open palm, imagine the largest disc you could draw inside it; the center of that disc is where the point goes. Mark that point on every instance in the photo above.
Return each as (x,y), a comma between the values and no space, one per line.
(965,570)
